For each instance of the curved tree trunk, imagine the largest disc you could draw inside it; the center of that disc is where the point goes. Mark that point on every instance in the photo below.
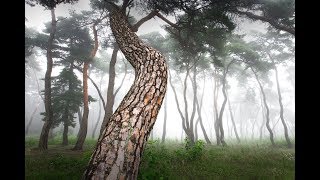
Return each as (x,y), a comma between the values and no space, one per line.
(199,108)
(266,106)
(215,110)
(43,141)
(119,148)
(98,120)
(164,120)
(110,94)
(281,111)
(82,134)
(84,125)
(99,115)
(223,104)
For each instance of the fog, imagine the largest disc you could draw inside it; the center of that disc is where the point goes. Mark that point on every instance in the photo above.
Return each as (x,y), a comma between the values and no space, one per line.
(248,113)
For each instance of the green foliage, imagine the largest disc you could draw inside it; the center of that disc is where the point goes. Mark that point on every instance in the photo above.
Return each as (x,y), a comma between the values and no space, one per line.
(251,160)
(49,3)
(67,97)
(192,151)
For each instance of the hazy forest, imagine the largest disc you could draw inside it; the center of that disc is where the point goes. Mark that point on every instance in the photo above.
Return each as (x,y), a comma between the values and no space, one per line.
(159,89)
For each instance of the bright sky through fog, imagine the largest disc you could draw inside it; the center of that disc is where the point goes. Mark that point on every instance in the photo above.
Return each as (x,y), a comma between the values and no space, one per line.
(37,16)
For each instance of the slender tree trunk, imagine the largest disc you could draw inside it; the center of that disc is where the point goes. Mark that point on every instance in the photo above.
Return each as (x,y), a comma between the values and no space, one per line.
(164,120)
(266,106)
(119,148)
(263,117)
(110,94)
(281,111)
(186,115)
(79,116)
(233,123)
(216,116)
(98,120)
(199,108)
(84,123)
(31,118)
(99,115)
(224,79)
(65,141)
(185,128)
(43,141)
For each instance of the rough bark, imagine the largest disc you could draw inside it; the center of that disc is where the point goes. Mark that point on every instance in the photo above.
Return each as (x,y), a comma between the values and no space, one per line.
(43,141)
(164,130)
(119,148)
(281,111)
(110,94)
(266,107)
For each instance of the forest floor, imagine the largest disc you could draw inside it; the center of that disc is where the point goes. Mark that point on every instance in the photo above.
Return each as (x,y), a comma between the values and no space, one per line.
(250,160)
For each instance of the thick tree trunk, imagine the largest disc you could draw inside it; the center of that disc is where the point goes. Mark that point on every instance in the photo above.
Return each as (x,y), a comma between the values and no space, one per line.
(120,147)
(84,123)
(266,106)
(164,130)
(233,123)
(281,111)
(110,94)
(43,141)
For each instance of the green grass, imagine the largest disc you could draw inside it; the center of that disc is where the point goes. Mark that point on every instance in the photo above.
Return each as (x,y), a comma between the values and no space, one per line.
(169,161)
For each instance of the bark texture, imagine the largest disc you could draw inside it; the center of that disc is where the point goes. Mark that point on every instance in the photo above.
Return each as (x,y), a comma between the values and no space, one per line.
(119,148)
(43,141)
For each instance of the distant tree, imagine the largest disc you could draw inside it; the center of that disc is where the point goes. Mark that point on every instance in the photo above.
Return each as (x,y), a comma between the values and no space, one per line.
(276,48)
(66,99)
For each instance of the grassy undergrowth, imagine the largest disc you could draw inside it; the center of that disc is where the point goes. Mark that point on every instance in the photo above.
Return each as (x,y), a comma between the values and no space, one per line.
(171,160)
